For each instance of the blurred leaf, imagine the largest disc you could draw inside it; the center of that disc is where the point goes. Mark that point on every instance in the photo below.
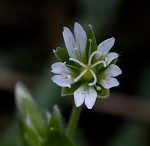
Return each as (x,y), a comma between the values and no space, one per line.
(57,138)
(30,134)
(28,109)
(34,123)
(56,120)
(8,138)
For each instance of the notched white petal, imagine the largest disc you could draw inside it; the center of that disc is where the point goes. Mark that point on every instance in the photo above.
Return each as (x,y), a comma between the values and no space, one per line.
(59,68)
(109,82)
(62,80)
(69,42)
(87,94)
(81,40)
(79,96)
(113,70)
(106,45)
(90,97)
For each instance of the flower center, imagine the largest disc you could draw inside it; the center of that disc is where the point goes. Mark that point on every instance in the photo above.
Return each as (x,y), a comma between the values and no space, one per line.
(88,71)
(88,75)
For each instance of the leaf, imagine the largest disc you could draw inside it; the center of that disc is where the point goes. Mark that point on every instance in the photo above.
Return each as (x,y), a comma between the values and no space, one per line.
(29,112)
(31,136)
(57,138)
(56,120)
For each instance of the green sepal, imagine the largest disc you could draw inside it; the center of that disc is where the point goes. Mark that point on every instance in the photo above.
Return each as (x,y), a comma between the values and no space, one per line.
(61,54)
(103,93)
(28,108)
(68,91)
(56,120)
(90,35)
(57,138)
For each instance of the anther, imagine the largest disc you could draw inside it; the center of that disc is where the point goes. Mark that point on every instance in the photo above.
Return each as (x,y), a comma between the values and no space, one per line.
(90,40)
(76,49)
(68,85)
(98,88)
(69,76)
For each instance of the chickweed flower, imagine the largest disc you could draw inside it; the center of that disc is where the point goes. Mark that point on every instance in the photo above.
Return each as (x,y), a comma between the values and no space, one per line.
(84,69)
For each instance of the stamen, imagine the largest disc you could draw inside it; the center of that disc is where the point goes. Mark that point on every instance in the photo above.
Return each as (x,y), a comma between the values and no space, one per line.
(69,77)
(99,62)
(54,51)
(106,59)
(90,40)
(64,63)
(107,77)
(80,76)
(98,88)
(95,78)
(77,61)
(68,85)
(92,55)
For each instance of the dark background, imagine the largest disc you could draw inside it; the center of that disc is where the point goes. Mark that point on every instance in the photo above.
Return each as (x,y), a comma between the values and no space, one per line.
(30,30)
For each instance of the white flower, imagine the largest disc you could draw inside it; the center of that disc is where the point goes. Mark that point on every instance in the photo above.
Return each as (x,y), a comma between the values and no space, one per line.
(85,69)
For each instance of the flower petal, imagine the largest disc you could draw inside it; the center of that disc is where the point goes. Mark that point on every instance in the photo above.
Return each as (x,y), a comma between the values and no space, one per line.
(111,57)
(62,80)
(81,40)
(113,70)
(109,83)
(90,97)
(106,45)
(60,68)
(79,96)
(85,93)
(69,42)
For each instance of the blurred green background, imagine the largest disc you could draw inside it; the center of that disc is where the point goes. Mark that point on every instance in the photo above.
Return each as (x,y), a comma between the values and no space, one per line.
(30,30)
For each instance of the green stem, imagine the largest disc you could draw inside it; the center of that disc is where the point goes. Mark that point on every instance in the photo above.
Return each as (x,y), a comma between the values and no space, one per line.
(73,121)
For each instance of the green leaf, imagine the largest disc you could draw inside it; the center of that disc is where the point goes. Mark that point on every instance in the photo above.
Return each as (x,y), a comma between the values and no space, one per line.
(28,109)
(103,93)
(91,36)
(68,91)
(61,54)
(56,120)
(57,138)
(31,135)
